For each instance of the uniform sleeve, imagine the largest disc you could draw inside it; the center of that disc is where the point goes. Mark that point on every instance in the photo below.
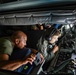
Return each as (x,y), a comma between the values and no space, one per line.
(49,56)
(5,47)
(42,48)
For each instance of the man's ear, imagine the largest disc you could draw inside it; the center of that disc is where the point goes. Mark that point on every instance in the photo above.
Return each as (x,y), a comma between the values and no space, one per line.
(17,41)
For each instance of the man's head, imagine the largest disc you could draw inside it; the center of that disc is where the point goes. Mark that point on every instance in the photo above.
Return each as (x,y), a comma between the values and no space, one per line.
(55,37)
(19,39)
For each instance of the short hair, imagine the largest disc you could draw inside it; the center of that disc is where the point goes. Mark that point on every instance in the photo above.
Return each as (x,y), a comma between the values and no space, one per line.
(51,32)
(18,35)
(57,33)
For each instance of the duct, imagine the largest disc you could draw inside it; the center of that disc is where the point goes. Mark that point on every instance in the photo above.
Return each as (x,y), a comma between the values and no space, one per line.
(17,5)
(20,5)
(37,18)
(64,19)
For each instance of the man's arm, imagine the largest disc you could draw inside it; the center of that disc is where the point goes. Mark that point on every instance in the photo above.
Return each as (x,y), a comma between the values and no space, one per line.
(5,63)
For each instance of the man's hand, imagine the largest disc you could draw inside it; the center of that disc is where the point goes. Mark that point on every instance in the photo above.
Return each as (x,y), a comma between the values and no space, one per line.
(35,52)
(55,49)
(30,59)
(42,58)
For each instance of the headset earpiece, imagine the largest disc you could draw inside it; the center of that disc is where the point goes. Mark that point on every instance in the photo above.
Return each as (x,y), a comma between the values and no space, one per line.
(49,39)
(50,33)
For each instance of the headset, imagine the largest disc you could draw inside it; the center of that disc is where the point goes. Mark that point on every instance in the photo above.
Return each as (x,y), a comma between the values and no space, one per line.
(49,33)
